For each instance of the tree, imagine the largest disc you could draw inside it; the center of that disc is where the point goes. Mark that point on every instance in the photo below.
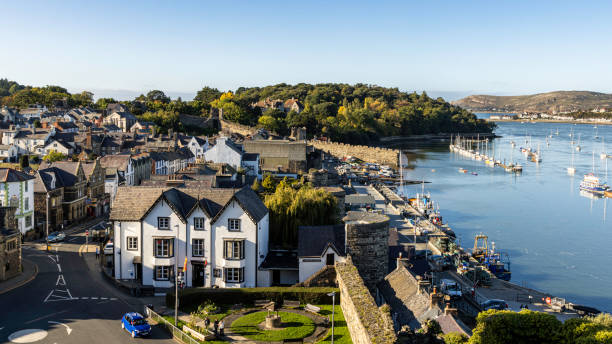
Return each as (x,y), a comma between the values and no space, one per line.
(53,156)
(268,183)
(256,186)
(157,96)
(24,161)
(455,338)
(207,94)
(500,327)
(268,122)
(37,124)
(102,103)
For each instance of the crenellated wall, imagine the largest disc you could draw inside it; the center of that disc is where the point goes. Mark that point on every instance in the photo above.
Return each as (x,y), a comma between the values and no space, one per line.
(228,127)
(366,322)
(378,155)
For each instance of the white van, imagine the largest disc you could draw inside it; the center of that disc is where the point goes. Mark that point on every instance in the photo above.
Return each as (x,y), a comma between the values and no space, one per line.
(450,287)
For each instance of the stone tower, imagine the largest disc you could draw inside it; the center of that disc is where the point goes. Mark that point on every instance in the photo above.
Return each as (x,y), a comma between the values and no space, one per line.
(367,242)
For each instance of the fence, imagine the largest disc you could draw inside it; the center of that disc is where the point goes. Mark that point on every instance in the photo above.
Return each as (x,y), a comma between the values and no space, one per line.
(175,331)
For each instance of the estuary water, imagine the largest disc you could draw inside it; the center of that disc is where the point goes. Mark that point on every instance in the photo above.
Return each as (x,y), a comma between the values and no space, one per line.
(559,240)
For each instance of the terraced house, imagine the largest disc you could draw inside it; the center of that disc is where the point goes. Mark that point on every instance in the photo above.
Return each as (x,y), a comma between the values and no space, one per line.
(17,190)
(222,232)
(71,177)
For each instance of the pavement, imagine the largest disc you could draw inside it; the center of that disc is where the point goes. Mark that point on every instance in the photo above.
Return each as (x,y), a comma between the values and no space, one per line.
(30,270)
(69,300)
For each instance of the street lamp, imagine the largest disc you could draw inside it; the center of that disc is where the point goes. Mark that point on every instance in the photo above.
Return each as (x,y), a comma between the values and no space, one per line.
(176,276)
(47,240)
(333,295)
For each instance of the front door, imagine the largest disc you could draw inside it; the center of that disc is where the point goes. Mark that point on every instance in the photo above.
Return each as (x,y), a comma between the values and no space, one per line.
(198,275)
(275,277)
(330,259)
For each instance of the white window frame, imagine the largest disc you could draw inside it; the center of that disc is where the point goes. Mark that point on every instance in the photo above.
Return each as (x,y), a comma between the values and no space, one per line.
(199,223)
(197,247)
(162,273)
(132,243)
(234,275)
(163,223)
(233,225)
(233,249)
(163,251)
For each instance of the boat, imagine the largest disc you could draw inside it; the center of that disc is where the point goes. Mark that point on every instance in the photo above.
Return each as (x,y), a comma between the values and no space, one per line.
(571,170)
(463,170)
(608,193)
(557,133)
(474,173)
(497,263)
(603,154)
(578,148)
(596,133)
(591,183)
(517,168)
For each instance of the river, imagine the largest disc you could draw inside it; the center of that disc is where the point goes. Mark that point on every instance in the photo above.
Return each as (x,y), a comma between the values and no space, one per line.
(559,240)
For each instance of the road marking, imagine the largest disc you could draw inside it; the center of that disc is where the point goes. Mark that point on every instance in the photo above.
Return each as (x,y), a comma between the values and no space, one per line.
(60,297)
(59,268)
(46,316)
(52,259)
(57,258)
(103,298)
(60,279)
(85,298)
(94,298)
(48,296)
(27,336)
(113,298)
(68,329)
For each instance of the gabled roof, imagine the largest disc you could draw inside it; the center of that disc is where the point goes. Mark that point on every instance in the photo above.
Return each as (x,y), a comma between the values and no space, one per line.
(88,168)
(134,203)
(313,241)
(68,170)
(8,175)
(118,161)
(44,176)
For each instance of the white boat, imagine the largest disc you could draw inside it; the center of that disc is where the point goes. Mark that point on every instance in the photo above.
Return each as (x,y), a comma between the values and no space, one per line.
(591,182)
(571,170)
(578,148)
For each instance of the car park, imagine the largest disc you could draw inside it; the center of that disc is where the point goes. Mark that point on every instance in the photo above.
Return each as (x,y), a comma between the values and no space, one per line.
(494,304)
(135,324)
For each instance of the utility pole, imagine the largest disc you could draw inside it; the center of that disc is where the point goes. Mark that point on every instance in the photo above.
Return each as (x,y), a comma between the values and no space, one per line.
(333,295)
(47,239)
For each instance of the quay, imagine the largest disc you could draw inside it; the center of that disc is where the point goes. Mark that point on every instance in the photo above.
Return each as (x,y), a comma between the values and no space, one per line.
(419,237)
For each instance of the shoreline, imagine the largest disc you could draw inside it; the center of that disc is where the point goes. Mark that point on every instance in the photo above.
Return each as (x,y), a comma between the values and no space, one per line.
(550,121)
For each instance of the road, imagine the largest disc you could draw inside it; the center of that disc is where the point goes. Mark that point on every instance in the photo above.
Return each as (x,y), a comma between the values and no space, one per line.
(67,302)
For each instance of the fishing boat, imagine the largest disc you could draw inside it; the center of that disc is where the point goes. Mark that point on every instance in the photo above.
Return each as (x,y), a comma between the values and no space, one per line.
(591,183)
(497,263)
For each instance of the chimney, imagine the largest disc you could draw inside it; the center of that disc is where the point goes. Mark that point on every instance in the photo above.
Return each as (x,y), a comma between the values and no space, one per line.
(450,311)
(435,298)
(44,125)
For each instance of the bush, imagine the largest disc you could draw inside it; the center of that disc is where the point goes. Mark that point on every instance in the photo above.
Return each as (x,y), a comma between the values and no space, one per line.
(501,327)
(230,296)
(455,338)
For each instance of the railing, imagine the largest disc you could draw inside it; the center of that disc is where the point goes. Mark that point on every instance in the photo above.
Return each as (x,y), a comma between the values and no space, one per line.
(175,331)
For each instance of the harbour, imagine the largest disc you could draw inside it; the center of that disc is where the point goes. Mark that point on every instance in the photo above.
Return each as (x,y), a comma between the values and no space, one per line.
(553,232)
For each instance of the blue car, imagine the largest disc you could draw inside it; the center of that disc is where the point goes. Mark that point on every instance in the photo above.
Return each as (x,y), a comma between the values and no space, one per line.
(135,324)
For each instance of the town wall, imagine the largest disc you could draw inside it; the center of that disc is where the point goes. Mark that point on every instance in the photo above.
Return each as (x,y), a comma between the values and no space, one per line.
(228,127)
(369,154)
(366,322)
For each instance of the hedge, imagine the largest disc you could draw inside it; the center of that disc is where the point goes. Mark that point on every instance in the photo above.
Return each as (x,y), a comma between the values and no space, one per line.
(230,296)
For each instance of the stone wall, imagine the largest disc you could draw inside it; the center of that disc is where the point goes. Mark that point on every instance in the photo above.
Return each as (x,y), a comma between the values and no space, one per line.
(367,323)
(228,127)
(367,242)
(378,155)
(326,277)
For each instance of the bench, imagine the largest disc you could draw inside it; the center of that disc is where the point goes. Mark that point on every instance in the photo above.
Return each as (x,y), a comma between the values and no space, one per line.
(261,303)
(291,304)
(312,309)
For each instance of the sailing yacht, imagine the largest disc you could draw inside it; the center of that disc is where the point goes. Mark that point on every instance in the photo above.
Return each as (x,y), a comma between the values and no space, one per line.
(571,170)
(591,182)
(578,145)
(603,154)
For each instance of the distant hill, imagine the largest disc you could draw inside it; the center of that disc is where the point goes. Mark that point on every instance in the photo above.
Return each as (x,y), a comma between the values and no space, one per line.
(559,101)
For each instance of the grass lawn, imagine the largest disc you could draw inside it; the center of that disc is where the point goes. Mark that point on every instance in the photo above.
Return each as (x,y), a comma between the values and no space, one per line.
(296,327)
(341,333)
(170,319)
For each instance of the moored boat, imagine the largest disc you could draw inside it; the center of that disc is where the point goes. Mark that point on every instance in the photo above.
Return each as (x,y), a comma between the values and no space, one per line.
(591,183)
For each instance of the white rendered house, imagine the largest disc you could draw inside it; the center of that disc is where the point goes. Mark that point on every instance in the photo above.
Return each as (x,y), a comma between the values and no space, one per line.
(17,190)
(223,233)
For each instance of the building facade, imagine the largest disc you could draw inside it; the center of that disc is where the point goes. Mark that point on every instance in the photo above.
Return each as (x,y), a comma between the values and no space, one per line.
(17,190)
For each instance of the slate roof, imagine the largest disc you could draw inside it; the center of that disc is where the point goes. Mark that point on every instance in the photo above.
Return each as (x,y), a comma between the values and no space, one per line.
(400,290)
(67,170)
(44,176)
(112,127)
(449,323)
(88,168)
(67,125)
(314,240)
(8,175)
(250,156)
(118,161)
(134,203)
(280,260)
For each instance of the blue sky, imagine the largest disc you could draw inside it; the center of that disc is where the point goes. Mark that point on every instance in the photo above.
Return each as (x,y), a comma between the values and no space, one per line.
(453,48)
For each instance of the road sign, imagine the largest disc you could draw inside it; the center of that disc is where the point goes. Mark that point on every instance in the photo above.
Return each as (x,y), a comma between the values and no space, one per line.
(87,233)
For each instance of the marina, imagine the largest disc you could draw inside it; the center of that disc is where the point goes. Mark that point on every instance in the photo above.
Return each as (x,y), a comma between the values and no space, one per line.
(523,212)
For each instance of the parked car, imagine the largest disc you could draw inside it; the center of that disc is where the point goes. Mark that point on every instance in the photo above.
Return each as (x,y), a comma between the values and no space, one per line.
(56,237)
(494,304)
(135,324)
(451,288)
(108,248)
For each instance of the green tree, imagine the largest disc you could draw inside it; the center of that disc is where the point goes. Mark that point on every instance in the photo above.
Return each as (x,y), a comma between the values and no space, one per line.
(268,183)
(157,96)
(53,156)
(24,161)
(37,124)
(455,338)
(207,94)
(256,185)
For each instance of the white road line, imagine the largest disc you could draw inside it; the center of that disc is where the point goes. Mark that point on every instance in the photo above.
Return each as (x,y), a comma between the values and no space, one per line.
(103,298)
(113,298)
(68,329)
(45,316)
(94,298)
(59,268)
(68,291)
(48,296)
(84,297)
(60,279)
(57,258)
(52,259)
(75,298)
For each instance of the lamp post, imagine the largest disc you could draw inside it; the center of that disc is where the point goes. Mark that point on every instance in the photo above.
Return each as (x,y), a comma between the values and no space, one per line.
(176,277)
(47,240)
(333,295)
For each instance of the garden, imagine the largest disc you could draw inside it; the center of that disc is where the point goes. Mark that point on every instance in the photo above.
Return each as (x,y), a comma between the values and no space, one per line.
(260,314)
